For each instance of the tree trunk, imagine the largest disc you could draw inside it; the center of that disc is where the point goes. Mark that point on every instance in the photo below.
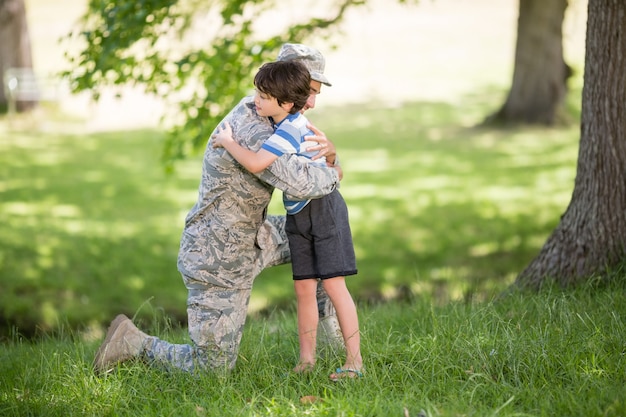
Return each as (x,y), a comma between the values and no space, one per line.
(540,73)
(15,51)
(591,237)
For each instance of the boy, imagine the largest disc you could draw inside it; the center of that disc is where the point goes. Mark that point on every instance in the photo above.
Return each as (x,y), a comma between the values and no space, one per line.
(318,230)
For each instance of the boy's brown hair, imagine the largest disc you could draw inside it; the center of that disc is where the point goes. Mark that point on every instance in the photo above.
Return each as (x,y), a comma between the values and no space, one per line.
(286,81)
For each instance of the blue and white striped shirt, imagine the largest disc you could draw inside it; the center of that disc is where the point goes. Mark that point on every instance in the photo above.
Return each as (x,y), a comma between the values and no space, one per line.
(288,138)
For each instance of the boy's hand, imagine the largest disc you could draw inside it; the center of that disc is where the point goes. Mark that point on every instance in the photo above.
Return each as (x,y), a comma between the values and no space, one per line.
(223,133)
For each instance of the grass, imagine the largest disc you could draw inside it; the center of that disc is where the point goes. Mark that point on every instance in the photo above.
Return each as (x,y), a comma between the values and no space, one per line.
(90,224)
(86,222)
(552,353)
(444,215)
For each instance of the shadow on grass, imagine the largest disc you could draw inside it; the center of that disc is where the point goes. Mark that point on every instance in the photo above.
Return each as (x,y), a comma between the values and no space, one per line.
(88,228)
(441,207)
(90,225)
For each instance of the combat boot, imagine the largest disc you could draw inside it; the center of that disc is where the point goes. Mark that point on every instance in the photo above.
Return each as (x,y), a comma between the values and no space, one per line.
(122,342)
(330,332)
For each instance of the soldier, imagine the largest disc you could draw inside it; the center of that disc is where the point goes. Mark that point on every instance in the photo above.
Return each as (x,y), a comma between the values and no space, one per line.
(228,239)
(320,240)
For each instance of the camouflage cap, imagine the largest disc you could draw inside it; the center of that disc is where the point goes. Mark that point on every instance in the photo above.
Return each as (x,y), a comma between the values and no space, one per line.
(310,57)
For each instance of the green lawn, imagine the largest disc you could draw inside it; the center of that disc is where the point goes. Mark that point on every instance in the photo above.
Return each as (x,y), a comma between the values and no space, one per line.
(549,354)
(444,215)
(90,224)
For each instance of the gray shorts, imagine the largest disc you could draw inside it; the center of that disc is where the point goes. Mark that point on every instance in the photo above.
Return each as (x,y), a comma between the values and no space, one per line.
(320,240)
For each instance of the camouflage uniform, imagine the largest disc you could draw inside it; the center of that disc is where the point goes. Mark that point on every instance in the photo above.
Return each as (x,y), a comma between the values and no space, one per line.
(228,240)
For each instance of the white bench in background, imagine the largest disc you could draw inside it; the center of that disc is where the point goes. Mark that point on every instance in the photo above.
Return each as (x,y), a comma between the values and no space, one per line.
(22,84)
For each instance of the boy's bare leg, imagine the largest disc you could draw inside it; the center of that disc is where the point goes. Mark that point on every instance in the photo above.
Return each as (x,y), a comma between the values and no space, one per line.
(307,322)
(348,321)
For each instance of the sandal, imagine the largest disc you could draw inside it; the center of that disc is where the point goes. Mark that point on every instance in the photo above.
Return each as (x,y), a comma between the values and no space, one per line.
(343,373)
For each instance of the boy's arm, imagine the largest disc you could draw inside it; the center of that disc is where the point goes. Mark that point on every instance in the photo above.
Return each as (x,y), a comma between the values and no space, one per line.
(254,162)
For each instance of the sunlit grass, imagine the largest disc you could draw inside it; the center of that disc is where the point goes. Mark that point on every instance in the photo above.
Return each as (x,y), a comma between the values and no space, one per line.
(455,208)
(90,224)
(86,225)
(444,215)
(549,354)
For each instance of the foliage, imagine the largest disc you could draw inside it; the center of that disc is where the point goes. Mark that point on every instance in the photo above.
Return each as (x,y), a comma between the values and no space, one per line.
(153,44)
(550,353)
(90,225)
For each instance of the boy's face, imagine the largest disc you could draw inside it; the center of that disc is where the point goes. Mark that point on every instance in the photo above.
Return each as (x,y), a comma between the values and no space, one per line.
(267,106)
(316,88)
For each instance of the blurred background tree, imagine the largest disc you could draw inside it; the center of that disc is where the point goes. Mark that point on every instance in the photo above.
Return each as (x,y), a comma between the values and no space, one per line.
(15,50)
(591,237)
(540,73)
(201,56)
(124,43)
(154,44)
(150,43)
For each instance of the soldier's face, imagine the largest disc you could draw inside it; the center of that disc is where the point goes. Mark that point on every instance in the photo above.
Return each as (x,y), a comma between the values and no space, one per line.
(316,88)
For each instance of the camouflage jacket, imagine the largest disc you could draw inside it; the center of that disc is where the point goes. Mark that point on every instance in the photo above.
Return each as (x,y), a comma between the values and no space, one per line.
(225,232)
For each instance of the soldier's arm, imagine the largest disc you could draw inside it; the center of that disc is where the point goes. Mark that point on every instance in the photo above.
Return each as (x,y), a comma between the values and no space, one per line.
(300,178)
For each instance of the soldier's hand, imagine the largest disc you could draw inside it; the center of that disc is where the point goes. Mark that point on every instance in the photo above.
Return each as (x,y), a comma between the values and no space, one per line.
(324,146)
(339,170)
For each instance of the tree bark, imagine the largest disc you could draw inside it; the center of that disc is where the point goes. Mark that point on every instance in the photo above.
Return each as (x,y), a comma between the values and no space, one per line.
(540,73)
(591,237)
(15,49)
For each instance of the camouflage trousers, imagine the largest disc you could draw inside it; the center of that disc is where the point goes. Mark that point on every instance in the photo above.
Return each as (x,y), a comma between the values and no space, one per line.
(216,315)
